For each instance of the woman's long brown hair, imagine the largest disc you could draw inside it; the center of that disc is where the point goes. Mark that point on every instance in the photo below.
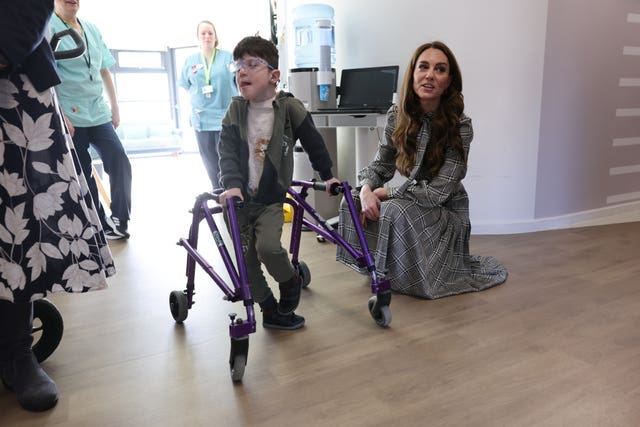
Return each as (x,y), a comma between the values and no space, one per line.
(444,124)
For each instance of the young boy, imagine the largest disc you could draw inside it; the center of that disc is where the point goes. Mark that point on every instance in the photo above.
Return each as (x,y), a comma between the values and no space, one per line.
(257,139)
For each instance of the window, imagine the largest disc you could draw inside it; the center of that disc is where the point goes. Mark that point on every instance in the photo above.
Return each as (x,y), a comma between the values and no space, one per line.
(144,86)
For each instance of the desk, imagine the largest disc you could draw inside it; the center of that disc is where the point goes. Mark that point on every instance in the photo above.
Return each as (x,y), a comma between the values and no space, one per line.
(339,132)
(349,120)
(363,129)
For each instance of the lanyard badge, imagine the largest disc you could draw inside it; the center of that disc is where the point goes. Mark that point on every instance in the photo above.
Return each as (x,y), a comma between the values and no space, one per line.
(207,89)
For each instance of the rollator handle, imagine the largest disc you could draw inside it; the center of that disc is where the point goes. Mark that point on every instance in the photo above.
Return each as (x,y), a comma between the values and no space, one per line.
(236,201)
(71,53)
(335,189)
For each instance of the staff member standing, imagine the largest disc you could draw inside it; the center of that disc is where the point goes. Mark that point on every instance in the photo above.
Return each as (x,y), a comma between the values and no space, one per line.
(206,77)
(92,121)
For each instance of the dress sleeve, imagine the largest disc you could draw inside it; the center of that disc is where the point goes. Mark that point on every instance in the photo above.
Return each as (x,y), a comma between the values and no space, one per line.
(383,166)
(439,190)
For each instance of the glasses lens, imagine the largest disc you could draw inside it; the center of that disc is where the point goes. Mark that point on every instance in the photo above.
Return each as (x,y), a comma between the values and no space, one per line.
(248,64)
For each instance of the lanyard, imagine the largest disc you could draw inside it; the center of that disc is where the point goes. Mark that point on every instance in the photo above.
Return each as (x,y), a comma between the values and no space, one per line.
(208,66)
(87,55)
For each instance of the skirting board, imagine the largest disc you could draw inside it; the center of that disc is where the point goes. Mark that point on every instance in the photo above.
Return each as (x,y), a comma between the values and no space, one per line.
(624,212)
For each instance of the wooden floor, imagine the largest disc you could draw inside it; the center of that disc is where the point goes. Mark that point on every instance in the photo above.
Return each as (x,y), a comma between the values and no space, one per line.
(557,345)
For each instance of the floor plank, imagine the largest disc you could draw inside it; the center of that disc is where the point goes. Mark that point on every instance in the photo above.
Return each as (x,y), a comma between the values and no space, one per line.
(557,344)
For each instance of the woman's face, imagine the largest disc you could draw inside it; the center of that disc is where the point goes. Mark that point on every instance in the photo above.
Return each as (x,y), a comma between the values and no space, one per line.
(67,6)
(207,35)
(431,78)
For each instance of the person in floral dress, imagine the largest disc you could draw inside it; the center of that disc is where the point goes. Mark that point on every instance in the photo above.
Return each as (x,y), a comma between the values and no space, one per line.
(51,239)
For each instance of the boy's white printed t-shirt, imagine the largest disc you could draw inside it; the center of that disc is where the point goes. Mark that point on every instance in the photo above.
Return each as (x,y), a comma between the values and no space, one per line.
(260,128)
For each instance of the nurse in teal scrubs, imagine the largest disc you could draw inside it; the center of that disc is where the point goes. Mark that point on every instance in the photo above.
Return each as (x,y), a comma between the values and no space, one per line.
(91,121)
(206,76)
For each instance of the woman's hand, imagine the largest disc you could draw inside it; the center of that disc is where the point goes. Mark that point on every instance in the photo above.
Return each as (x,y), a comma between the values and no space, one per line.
(381,193)
(232,192)
(370,202)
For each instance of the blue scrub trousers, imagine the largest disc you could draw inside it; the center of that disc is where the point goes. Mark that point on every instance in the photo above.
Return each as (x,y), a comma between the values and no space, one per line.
(105,141)
(208,145)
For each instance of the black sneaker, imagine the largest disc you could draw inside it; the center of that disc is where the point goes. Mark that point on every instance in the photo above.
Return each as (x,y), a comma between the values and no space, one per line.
(118,227)
(275,320)
(111,234)
(290,294)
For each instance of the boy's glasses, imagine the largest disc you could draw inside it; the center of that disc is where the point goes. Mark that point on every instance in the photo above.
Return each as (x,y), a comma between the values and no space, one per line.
(250,64)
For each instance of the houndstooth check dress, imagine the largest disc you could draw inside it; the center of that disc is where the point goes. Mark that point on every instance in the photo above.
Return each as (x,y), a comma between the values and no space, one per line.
(50,236)
(421,241)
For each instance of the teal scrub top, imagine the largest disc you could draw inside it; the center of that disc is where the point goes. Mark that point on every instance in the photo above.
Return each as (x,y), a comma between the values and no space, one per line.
(207,112)
(81,90)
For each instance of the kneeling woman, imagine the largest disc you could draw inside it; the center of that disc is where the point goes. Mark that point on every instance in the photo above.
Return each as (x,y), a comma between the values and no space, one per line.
(419,232)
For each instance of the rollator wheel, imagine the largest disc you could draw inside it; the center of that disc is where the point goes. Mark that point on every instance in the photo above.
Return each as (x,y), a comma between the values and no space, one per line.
(47,329)
(178,305)
(380,314)
(237,367)
(305,273)
(320,239)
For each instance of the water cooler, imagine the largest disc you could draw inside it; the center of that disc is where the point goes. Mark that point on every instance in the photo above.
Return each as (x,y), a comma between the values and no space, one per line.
(313,82)
(303,83)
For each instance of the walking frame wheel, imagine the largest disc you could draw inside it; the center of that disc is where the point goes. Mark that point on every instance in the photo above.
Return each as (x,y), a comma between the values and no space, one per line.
(304,273)
(381,314)
(178,305)
(47,329)
(237,367)
(238,356)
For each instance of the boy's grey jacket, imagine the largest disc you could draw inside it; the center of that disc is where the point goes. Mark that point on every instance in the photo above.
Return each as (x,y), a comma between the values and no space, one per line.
(292,122)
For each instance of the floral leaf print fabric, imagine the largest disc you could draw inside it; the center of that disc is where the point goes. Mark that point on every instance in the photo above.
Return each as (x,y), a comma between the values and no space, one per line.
(50,237)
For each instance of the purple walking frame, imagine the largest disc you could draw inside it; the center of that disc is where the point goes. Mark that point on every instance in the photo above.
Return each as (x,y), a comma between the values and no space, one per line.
(381,288)
(180,301)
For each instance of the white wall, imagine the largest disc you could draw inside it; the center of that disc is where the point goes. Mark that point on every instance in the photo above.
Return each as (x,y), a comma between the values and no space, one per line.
(500,47)
(152,24)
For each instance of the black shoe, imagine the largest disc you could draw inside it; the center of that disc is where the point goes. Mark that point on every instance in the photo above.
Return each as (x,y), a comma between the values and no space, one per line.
(275,320)
(117,228)
(33,387)
(19,368)
(290,294)
(111,234)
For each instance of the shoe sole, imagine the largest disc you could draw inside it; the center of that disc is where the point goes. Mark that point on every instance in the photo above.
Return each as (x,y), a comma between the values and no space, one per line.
(283,328)
(40,406)
(114,237)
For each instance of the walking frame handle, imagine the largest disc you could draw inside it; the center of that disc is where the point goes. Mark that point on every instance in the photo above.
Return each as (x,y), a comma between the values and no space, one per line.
(70,53)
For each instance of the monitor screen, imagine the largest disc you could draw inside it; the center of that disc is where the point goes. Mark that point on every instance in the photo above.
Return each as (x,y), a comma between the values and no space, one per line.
(368,87)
